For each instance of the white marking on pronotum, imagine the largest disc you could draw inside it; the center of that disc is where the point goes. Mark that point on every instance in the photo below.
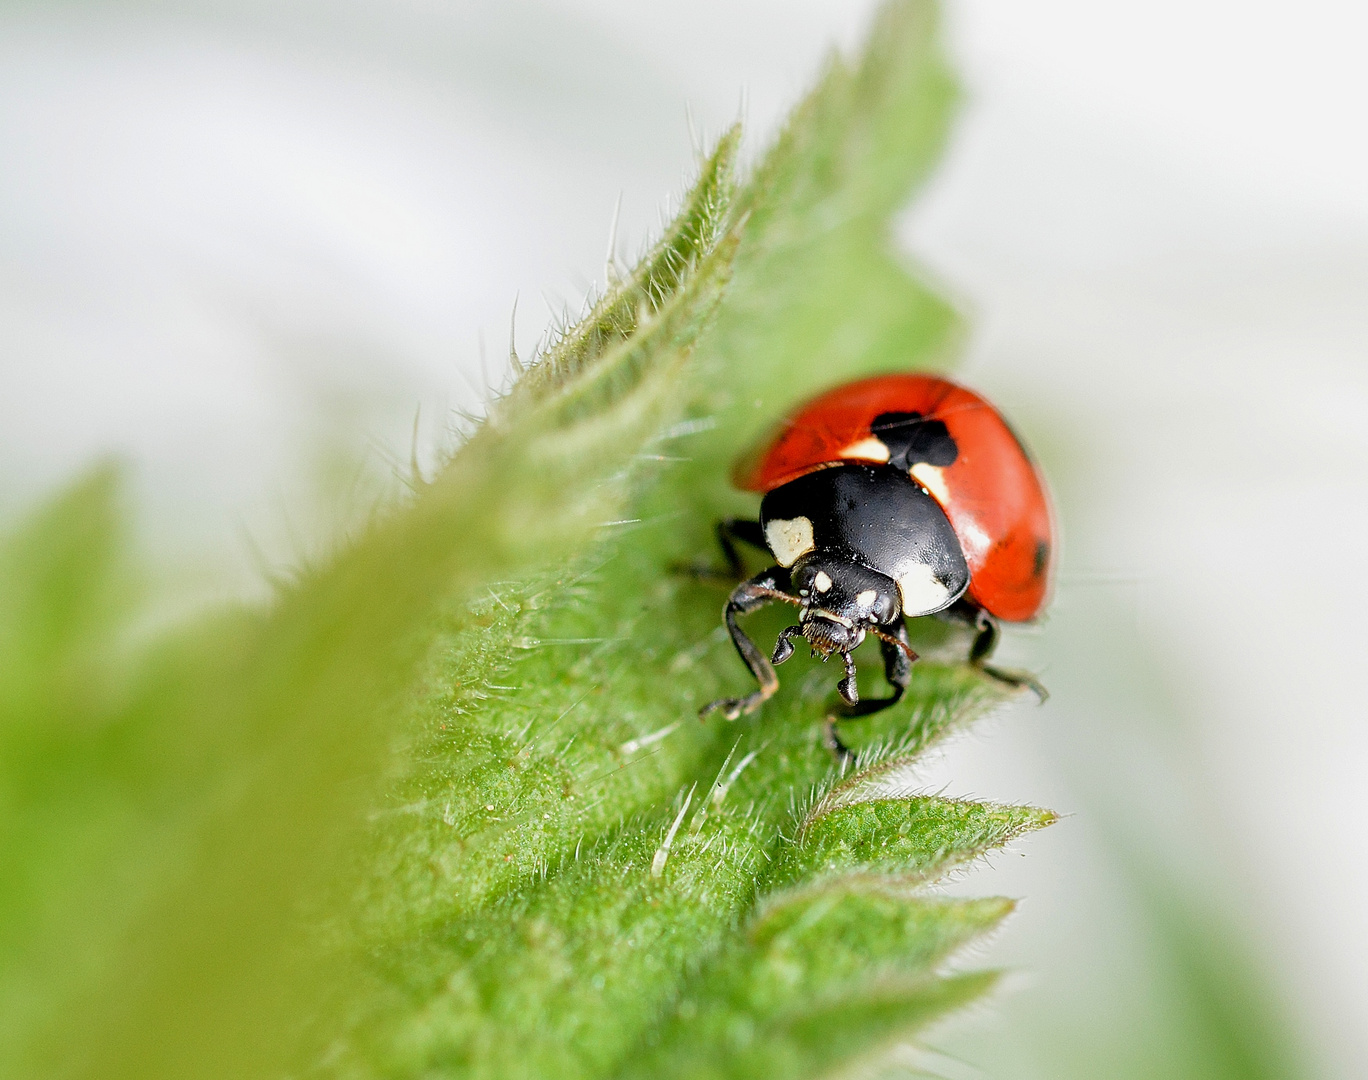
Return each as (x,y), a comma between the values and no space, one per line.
(866,598)
(931,477)
(867,449)
(663,852)
(821,582)
(631,746)
(922,592)
(790,539)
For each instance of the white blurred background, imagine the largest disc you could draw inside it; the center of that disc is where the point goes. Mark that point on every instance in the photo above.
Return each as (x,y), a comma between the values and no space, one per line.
(233,233)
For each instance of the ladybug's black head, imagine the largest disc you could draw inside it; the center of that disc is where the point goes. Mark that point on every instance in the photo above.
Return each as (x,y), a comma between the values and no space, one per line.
(834,588)
(841,601)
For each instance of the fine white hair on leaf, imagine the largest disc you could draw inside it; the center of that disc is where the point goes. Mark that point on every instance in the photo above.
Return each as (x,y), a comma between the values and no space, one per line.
(663,852)
(894,778)
(631,746)
(720,790)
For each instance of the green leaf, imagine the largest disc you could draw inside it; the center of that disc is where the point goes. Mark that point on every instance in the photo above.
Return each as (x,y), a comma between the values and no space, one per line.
(923,834)
(65,583)
(822,975)
(819,295)
(827,1037)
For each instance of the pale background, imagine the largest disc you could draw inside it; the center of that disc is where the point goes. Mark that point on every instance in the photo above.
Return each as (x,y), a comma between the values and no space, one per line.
(232,235)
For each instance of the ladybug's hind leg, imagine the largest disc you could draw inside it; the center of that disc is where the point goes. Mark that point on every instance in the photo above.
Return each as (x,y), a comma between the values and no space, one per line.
(729,531)
(764,588)
(986,635)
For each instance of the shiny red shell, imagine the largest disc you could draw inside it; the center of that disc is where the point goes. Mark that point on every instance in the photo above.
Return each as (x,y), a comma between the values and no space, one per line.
(992,493)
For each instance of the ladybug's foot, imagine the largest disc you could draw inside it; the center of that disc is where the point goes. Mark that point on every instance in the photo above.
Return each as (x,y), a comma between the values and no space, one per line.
(783,647)
(1017,680)
(850,693)
(832,741)
(733,708)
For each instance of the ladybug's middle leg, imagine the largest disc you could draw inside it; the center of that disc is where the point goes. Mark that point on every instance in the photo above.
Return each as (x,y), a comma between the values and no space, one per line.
(764,588)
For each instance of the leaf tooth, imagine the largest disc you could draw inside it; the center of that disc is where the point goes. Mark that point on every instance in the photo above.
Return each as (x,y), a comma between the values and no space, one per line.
(923,835)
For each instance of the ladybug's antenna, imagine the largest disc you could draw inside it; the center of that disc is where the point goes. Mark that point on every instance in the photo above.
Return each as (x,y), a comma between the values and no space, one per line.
(904,646)
(778,594)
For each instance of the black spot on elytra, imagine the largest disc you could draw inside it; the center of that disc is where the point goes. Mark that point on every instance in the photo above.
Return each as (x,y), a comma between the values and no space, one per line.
(1042,556)
(911,439)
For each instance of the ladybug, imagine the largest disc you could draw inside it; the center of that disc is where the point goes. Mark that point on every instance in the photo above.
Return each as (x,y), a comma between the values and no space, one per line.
(886,499)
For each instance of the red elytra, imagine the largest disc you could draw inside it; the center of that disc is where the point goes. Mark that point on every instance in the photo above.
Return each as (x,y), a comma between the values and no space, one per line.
(992,493)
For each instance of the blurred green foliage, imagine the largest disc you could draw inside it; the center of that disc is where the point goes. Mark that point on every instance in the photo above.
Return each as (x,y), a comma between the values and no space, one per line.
(444,807)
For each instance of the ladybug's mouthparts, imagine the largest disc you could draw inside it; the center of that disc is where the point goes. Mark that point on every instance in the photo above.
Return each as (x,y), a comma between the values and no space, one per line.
(826,635)
(828,632)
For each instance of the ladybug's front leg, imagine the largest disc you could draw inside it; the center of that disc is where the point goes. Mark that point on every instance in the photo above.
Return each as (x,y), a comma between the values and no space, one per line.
(897,658)
(764,588)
